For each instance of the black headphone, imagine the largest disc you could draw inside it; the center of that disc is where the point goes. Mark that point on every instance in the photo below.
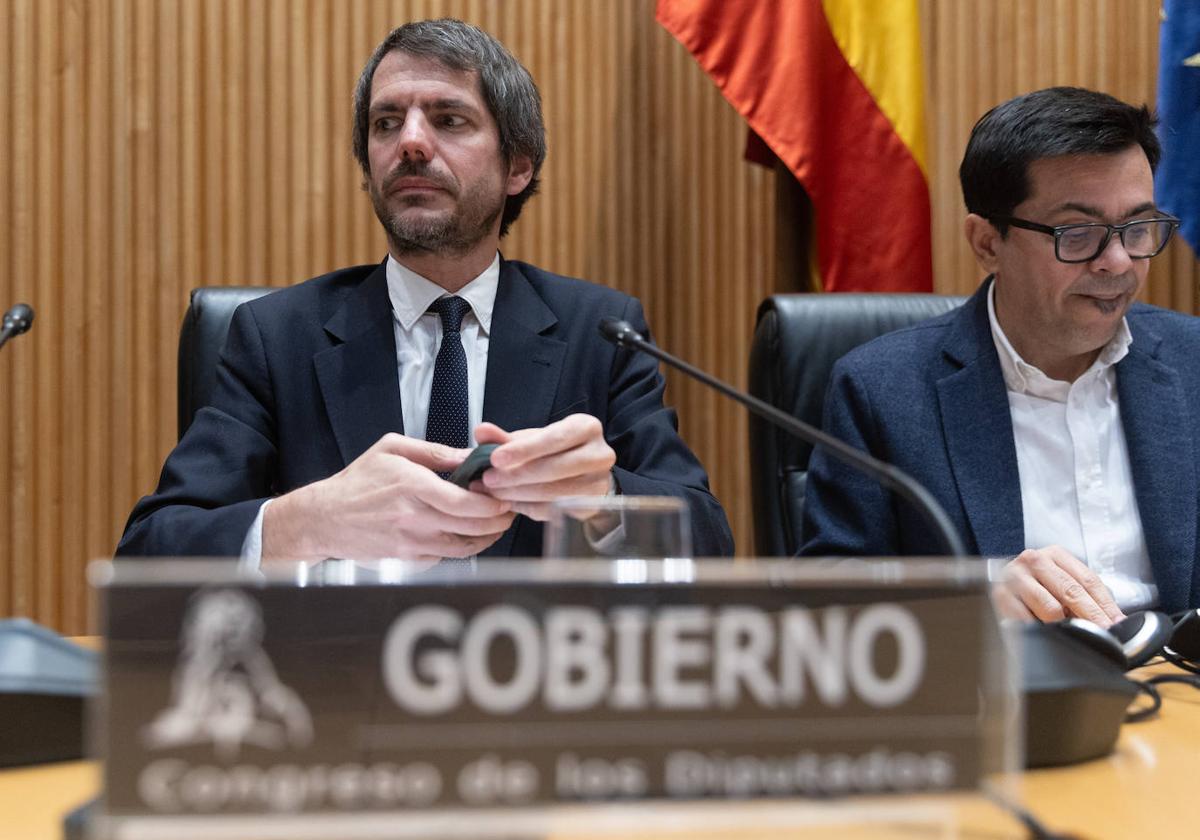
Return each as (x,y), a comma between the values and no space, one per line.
(1183,650)
(1137,639)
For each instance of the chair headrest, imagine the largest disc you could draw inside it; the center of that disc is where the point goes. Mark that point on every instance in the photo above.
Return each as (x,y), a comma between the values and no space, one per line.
(201,339)
(798,339)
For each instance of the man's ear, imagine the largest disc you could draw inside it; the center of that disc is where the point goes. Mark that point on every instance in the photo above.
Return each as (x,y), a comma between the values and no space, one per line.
(984,239)
(520,173)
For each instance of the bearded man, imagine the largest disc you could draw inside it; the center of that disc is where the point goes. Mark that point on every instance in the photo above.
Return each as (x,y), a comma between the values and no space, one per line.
(343,402)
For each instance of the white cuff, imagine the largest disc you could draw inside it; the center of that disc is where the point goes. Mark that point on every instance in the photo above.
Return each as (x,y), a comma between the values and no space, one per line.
(251,559)
(604,544)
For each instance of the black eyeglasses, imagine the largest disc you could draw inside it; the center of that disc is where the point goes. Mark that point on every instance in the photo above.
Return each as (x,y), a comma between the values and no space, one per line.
(1141,238)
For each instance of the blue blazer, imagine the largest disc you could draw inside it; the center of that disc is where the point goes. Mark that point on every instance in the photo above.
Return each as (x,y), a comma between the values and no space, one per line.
(931,399)
(307,382)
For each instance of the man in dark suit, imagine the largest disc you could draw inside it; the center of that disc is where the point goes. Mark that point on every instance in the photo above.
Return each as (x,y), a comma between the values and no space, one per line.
(341,403)
(1056,420)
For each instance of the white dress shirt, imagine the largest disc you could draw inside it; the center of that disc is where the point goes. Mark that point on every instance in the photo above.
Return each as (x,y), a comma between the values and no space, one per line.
(1076,485)
(418,337)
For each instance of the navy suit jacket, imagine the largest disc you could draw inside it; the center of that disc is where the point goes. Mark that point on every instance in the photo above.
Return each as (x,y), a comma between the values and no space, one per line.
(307,382)
(931,399)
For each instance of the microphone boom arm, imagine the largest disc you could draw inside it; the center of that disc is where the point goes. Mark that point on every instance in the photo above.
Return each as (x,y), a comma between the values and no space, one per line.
(888,475)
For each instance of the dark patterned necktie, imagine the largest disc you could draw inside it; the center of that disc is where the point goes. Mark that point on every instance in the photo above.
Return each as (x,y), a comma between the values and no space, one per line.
(447,421)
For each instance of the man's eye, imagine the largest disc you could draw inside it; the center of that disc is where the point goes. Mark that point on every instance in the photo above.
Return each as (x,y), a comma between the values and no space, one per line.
(1082,237)
(1138,233)
(386,123)
(452,121)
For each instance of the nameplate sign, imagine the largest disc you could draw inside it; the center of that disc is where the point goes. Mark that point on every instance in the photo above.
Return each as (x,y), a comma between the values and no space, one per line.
(516,689)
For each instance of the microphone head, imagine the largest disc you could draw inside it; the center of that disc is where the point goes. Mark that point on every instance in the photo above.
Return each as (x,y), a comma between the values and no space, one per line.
(18,319)
(620,333)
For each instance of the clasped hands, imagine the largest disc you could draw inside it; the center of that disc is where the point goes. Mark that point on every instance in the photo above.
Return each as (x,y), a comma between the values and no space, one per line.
(390,502)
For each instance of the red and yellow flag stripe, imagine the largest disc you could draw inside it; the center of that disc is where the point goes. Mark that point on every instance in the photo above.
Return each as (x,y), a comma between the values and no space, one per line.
(835,89)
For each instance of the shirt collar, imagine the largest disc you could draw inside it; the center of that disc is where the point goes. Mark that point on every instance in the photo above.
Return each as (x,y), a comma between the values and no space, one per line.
(411,294)
(1022,377)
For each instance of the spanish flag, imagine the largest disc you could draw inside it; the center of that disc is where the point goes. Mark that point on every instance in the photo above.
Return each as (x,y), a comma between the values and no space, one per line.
(835,89)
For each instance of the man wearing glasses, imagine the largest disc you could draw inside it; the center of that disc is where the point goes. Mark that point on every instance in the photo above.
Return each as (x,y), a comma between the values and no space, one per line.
(1056,420)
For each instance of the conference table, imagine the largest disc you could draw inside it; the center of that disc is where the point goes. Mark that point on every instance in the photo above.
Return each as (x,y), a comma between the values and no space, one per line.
(1144,789)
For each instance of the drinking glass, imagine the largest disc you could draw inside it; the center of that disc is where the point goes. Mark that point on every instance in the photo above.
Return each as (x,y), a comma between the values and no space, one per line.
(619,527)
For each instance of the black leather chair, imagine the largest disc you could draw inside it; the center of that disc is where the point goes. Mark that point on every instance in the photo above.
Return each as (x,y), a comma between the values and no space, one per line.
(797,340)
(201,338)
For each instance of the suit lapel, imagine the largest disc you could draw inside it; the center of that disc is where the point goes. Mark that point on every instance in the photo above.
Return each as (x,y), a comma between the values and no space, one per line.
(361,394)
(523,366)
(1154,418)
(979,437)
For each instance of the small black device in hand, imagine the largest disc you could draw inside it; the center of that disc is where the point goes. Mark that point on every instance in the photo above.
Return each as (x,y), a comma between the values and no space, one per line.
(479,461)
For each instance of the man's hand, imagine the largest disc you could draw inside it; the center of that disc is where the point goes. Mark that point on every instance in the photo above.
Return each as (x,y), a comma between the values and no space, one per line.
(1050,584)
(389,502)
(533,467)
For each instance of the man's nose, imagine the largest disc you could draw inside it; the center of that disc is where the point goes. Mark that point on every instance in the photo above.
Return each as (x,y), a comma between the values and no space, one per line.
(1114,259)
(416,141)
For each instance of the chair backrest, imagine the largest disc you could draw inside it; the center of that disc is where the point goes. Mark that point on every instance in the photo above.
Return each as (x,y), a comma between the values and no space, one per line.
(201,338)
(797,341)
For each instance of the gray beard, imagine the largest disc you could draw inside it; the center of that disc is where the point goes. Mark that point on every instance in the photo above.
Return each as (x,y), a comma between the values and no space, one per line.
(452,235)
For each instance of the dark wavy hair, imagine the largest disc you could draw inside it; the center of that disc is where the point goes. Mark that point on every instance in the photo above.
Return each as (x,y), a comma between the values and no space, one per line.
(507,88)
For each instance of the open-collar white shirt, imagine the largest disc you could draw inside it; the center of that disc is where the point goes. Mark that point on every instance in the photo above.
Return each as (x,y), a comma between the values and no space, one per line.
(1076,483)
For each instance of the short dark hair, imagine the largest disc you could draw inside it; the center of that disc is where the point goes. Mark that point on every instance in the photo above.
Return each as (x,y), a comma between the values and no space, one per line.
(507,88)
(1047,123)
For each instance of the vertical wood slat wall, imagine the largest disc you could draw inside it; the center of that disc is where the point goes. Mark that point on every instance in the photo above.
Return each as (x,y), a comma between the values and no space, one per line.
(150,146)
(983,52)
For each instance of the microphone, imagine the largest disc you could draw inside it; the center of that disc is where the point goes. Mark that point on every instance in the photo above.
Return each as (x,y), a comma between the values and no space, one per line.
(16,321)
(622,334)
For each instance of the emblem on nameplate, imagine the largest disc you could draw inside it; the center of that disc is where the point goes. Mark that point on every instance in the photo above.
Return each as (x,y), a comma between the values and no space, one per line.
(225,689)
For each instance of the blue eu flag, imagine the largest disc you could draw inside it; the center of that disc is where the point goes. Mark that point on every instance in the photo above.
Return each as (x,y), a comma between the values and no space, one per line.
(1177,184)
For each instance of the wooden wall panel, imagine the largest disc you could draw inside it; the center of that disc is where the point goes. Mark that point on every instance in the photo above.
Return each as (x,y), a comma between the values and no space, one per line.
(150,146)
(981,53)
